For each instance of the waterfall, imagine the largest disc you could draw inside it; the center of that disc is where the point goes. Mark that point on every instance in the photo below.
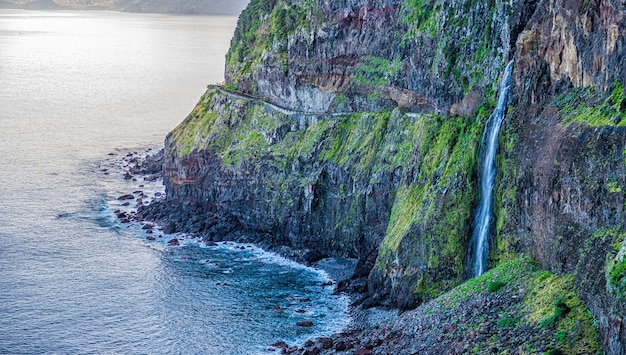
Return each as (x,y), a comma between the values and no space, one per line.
(479,242)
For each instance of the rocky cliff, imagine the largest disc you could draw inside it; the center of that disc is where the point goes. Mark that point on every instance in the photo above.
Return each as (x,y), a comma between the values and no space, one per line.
(562,176)
(354,127)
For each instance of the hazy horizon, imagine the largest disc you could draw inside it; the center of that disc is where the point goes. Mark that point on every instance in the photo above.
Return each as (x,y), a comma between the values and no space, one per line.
(198,7)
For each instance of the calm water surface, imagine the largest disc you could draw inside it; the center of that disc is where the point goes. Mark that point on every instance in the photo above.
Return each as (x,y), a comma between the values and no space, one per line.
(75,86)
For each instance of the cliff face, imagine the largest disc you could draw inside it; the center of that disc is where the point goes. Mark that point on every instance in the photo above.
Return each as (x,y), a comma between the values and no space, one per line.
(332,56)
(362,134)
(561,197)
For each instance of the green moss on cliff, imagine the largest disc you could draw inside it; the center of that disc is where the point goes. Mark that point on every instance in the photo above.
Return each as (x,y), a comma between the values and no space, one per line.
(356,141)
(242,130)
(616,277)
(592,107)
(506,189)
(263,27)
(431,214)
(420,15)
(553,305)
(196,127)
(616,264)
(377,71)
(526,305)
(458,38)
(246,32)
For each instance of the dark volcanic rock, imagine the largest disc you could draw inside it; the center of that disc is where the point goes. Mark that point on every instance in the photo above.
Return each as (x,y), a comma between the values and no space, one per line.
(326,343)
(395,183)
(280,345)
(305,323)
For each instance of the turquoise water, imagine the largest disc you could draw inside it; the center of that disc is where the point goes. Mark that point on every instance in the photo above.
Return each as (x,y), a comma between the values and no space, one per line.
(74,87)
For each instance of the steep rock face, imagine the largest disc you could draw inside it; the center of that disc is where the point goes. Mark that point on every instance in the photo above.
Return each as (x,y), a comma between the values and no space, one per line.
(288,178)
(437,57)
(331,56)
(241,168)
(364,138)
(563,168)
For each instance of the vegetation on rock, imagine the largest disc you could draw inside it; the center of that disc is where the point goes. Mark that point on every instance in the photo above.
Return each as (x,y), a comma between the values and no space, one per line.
(375,154)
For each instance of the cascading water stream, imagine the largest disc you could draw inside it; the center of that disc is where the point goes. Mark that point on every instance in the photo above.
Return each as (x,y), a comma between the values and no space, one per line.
(479,242)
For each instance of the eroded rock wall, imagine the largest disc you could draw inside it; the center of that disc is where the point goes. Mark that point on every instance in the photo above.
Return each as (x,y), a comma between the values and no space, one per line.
(361,135)
(562,168)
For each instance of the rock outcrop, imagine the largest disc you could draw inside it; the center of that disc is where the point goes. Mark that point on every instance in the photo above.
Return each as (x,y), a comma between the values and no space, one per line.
(353,128)
(562,176)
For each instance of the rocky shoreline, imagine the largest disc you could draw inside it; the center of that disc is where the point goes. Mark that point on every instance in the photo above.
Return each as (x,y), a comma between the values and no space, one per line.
(158,220)
(484,316)
(214,226)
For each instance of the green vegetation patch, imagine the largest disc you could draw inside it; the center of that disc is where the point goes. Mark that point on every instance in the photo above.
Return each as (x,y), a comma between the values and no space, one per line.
(616,277)
(495,286)
(236,130)
(377,71)
(532,306)
(616,266)
(246,33)
(591,107)
(421,16)
(553,305)
(432,210)
(265,26)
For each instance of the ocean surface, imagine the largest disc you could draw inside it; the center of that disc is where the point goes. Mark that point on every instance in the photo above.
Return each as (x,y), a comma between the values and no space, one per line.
(78,92)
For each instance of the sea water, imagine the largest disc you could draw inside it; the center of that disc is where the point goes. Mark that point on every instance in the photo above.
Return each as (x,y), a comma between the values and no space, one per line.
(79,91)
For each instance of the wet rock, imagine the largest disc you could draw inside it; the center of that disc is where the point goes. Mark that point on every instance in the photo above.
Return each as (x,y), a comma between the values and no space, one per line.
(326,343)
(290,350)
(305,323)
(151,238)
(280,345)
(313,351)
(170,228)
(126,197)
(343,346)
(373,343)
(151,178)
(363,351)
(173,242)
(127,176)
(313,256)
